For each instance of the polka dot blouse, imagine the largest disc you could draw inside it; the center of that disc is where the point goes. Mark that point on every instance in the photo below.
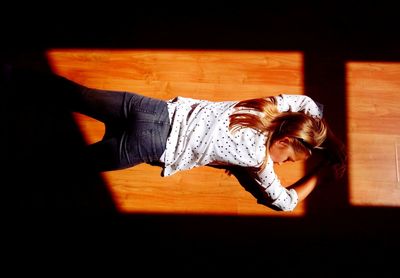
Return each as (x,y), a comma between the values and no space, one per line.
(200,135)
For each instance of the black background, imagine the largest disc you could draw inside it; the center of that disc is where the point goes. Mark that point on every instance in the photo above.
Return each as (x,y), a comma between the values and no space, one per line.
(58,215)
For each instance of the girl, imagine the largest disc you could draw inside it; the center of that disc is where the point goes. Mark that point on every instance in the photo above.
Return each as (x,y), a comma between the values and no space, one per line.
(184,133)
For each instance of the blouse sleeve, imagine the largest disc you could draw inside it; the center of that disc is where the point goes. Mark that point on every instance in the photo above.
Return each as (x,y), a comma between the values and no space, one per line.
(299,103)
(276,194)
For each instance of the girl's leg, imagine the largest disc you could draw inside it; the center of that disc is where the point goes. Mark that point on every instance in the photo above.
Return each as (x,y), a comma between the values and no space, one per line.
(104,105)
(107,155)
(136,126)
(142,141)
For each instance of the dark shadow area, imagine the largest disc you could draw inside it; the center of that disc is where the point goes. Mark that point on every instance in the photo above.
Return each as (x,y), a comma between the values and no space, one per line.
(325,80)
(44,174)
(57,205)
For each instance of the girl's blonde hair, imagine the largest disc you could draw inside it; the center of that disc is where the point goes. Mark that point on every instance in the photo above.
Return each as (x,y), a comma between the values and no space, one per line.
(304,131)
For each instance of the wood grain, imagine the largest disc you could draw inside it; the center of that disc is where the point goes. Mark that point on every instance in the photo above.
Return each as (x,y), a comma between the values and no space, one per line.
(374,130)
(372,107)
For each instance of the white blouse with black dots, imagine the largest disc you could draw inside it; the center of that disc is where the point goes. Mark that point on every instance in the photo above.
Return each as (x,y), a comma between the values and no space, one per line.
(200,135)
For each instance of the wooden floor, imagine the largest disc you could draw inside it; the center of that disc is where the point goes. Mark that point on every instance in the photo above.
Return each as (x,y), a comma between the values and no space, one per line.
(374,133)
(373,114)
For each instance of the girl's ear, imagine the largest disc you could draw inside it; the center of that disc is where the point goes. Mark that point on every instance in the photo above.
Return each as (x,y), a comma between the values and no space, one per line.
(285,141)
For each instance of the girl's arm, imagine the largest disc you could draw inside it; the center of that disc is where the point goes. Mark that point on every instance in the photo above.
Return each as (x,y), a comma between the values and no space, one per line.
(299,103)
(307,184)
(331,166)
(287,198)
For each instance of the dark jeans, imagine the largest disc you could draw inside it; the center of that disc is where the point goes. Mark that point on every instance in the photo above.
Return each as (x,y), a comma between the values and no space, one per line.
(137,127)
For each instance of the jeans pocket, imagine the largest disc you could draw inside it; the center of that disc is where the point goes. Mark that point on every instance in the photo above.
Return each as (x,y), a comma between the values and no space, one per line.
(145,144)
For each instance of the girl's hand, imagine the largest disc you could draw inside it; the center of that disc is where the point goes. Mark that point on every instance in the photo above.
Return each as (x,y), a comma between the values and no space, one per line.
(334,152)
(336,158)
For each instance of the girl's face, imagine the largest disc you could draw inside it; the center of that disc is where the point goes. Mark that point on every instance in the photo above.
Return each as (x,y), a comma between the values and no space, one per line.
(281,151)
